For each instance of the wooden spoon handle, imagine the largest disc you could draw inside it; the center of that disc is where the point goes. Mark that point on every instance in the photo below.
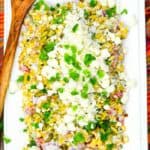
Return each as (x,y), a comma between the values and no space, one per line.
(16,23)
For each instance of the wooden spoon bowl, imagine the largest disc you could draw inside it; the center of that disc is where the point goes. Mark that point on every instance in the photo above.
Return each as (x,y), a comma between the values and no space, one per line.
(19,11)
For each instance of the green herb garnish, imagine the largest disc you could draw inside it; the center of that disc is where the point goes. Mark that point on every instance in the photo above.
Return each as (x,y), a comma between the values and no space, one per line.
(93,3)
(69,59)
(49,46)
(111,12)
(21,119)
(74,92)
(66,46)
(107,61)
(32,143)
(6,139)
(110,146)
(75,28)
(35,125)
(52,8)
(66,79)
(61,90)
(46,105)
(39,4)
(44,91)
(104,136)
(73,49)
(93,80)
(103,94)
(46,116)
(78,138)
(88,58)
(90,126)
(74,108)
(58,20)
(87,73)
(20,78)
(32,87)
(86,14)
(74,75)
(84,91)
(43,55)
(100,73)
(124,11)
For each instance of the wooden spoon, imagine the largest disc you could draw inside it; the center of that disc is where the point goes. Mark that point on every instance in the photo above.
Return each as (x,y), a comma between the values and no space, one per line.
(19,11)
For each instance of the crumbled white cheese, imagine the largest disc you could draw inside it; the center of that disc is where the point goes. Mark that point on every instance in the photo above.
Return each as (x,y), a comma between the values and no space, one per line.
(40,86)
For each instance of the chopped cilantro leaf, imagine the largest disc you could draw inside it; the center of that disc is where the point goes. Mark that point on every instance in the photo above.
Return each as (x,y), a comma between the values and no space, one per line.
(40,3)
(6,139)
(88,58)
(49,46)
(43,91)
(74,108)
(32,87)
(52,79)
(93,80)
(58,20)
(74,75)
(43,55)
(58,77)
(61,90)
(104,94)
(75,28)
(20,78)
(100,73)
(46,105)
(90,126)
(78,138)
(28,78)
(66,46)
(69,59)
(84,91)
(32,143)
(111,12)
(93,3)
(86,14)
(87,73)
(58,5)
(66,79)
(21,119)
(73,49)
(74,92)
(104,136)
(110,146)
(46,116)
(124,11)
(35,125)
(52,8)
(76,64)
(107,61)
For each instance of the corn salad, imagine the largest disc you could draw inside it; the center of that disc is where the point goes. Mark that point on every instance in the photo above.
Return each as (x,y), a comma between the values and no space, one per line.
(72,76)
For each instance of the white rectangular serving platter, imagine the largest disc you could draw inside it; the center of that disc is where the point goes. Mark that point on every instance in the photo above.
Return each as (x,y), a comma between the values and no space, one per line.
(135,67)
